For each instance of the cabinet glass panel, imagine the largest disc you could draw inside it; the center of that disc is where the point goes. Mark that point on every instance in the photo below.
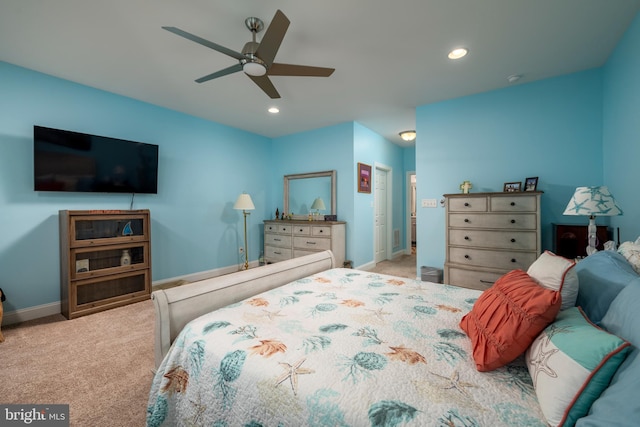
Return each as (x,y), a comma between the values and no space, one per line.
(93,292)
(108,228)
(105,257)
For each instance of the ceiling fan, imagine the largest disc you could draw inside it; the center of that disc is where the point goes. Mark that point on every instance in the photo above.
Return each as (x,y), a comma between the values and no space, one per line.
(256,59)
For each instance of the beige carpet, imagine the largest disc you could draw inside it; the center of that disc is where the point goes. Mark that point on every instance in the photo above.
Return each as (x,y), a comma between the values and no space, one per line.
(402,266)
(101,364)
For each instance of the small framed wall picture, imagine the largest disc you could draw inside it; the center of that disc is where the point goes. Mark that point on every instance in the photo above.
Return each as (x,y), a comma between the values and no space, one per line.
(364,178)
(511,187)
(530,184)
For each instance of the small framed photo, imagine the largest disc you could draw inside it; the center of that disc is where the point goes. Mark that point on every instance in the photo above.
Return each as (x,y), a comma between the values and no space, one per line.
(511,187)
(364,178)
(530,184)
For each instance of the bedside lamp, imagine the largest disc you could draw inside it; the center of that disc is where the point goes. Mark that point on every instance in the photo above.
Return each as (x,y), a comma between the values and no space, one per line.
(318,205)
(592,201)
(245,203)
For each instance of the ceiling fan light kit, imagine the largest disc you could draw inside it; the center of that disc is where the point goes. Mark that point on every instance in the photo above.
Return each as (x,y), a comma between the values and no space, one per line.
(256,59)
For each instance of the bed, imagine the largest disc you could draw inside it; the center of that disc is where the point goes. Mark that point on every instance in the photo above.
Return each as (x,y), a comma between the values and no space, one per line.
(304,343)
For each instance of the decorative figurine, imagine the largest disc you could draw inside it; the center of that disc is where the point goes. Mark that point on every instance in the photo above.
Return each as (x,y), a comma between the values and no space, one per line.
(465,187)
(277,213)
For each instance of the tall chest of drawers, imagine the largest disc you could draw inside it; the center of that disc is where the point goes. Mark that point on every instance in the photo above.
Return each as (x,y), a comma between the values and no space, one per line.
(489,234)
(291,239)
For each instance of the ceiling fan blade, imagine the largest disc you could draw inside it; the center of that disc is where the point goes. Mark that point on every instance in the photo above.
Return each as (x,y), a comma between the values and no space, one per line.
(207,43)
(266,85)
(272,38)
(224,72)
(299,70)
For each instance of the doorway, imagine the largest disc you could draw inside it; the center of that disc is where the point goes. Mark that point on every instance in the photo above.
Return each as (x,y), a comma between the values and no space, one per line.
(383,222)
(411,231)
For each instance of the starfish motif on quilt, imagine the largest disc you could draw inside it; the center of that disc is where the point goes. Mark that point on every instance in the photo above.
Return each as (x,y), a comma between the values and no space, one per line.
(379,313)
(291,373)
(540,361)
(453,383)
(272,314)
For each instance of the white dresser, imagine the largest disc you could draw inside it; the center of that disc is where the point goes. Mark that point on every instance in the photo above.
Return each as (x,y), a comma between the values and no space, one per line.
(489,234)
(285,239)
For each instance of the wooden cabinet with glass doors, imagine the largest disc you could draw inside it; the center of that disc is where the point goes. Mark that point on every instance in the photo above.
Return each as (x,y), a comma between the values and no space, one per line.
(105,260)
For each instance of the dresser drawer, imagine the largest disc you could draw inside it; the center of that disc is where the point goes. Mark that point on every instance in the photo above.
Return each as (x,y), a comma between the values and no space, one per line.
(277,240)
(505,260)
(273,254)
(519,240)
(302,230)
(468,204)
(320,231)
(278,228)
(311,243)
(472,279)
(516,221)
(514,204)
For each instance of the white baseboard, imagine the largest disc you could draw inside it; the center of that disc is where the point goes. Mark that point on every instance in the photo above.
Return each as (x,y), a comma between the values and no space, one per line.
(30,313)
(38,311)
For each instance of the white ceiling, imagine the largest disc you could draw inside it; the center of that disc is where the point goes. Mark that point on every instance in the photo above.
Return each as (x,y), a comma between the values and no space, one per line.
(389,56)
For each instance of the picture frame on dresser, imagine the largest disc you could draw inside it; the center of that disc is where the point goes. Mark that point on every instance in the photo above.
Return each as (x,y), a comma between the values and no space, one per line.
(530,184)
(511,187)
(364,178)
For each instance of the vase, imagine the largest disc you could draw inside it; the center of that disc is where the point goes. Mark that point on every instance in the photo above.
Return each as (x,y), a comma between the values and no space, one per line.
(125,259)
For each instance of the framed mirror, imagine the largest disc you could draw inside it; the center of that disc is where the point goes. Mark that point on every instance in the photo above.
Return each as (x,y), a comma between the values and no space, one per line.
(301,190)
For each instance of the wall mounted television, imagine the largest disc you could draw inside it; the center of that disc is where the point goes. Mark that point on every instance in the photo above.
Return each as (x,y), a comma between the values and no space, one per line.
(71,161)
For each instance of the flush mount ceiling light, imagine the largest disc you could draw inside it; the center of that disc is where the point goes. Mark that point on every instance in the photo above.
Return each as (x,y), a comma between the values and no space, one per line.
(514,78)
(408,135)
(458,53)
(274,110)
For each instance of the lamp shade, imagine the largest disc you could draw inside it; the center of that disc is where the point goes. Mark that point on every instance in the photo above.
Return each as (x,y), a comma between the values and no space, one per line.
(244,202)
(318,204)
(592,201)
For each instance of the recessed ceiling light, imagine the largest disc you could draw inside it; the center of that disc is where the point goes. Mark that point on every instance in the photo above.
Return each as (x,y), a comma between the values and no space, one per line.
(458,53)
(274,110)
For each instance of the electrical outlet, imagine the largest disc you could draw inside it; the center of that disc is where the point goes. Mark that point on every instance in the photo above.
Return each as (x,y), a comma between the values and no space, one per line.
(240,250)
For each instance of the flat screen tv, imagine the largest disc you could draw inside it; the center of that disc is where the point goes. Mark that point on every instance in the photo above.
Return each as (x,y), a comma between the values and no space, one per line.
(73,161)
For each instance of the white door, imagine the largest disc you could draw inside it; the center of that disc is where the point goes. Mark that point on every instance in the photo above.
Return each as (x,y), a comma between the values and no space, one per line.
(381,220)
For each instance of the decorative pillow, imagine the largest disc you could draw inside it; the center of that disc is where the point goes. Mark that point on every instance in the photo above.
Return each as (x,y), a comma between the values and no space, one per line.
(619,402)
(556,273)
(571,362)
(602,276)
(507,317)
(631,251)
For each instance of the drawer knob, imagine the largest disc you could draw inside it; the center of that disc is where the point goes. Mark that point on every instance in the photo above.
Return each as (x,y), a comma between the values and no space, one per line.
(277,240)
(466,204)
(513,240)
(513,203)
(320,231)
(513,221)
(466,220)
(467,256)
(277,253)
(311,243)
(466,238)
(513,260)
(300,230)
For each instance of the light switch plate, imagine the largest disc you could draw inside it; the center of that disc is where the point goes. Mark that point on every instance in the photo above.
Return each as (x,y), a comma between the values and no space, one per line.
(429,203)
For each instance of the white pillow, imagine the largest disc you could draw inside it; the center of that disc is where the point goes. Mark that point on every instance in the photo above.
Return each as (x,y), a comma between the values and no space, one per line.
(631,251)
(556,273)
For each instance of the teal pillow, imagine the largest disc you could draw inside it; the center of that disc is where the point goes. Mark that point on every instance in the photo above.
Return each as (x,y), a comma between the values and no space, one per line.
(571,362)
(619,404)
(602,276)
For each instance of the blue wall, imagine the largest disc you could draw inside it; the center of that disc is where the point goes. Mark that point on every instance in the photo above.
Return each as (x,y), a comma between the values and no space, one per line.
(621,130)
(194,227)
(551,129)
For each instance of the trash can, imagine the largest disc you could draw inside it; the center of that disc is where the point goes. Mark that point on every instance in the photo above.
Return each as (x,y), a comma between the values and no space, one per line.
(431,274)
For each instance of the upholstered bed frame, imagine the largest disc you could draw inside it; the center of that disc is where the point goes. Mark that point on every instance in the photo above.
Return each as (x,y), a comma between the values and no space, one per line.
(175,307)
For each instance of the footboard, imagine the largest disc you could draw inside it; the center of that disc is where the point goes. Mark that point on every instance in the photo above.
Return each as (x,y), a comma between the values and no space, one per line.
(175,307)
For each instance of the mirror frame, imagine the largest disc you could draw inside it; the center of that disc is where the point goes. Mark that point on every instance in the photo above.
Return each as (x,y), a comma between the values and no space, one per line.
(332,174)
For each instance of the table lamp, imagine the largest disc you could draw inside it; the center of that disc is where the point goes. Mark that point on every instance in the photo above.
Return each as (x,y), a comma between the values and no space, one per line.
(592,201)
(318,205)
(245,203)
